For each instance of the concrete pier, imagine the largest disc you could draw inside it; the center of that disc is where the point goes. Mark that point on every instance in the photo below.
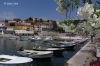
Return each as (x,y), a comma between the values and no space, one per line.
(79,59)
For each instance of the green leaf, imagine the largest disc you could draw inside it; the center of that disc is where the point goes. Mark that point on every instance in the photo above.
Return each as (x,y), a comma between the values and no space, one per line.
(98,2)
(89,1)
(84,1)
(68,4)
(72,6)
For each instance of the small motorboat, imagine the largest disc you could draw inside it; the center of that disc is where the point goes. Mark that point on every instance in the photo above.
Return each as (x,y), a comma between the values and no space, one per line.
(7,59)
(36,54)
(49,38)
(32,39)
(24,39)
(37,38)
(55,50)
(65,45)
(80,41)
(12,38)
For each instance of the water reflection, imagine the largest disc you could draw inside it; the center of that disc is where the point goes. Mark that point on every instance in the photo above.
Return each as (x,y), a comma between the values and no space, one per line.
(42,63)
(10,47)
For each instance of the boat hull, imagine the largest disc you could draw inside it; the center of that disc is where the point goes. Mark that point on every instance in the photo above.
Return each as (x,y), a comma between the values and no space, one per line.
(24,39)
(66,47)
(36,56)
(12,38)
(32,40)
(7,59)
(55,50)
(81,41)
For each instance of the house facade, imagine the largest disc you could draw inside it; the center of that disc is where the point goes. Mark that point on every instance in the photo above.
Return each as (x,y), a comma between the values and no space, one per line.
(37,26)
(10,26)
(45,26)
(24,28)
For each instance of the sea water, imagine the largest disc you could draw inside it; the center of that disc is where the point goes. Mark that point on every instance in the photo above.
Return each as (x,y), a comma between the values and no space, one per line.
(10,47)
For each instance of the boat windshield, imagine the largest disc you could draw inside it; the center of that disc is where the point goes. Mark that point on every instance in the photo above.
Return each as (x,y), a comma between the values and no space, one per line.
(4,59)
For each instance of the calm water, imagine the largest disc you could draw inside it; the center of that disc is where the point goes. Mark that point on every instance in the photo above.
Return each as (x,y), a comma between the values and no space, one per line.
(10,47)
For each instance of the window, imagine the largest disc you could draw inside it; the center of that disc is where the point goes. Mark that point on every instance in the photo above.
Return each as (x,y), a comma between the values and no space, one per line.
(12,24)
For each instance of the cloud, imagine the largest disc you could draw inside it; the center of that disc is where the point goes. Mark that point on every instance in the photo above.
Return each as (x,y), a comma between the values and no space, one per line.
(7,15)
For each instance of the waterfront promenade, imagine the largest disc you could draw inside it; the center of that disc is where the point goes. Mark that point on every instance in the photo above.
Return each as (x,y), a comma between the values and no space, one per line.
(83,57)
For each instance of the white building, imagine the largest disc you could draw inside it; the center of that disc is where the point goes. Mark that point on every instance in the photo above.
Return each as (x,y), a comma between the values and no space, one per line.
(10,26)
(2,27)
(42,26)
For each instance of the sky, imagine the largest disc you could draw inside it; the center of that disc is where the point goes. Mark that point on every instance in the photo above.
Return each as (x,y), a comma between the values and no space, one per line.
(23,9)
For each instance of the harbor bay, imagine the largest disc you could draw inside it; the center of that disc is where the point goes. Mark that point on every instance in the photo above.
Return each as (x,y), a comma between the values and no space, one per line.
(10,47)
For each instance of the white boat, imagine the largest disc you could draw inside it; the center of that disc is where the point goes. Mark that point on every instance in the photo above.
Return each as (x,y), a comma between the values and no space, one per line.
(55,50)
(32,39)
(48,38)
(36,54)
(65,44)
(7,59)
(37,38)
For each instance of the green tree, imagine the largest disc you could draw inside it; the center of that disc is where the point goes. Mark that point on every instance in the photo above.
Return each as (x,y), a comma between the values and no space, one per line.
(36,20)
(17,19)
(26,20)
(60,30)
(6,21)
(54,25)
(30,18)
(41,20)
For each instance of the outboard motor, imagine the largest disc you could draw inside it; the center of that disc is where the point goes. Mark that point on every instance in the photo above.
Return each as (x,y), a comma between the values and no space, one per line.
(21,49)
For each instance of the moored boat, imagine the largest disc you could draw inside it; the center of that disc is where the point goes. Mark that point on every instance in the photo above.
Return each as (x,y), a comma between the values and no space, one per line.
(7,59)
(32,39)
(36,38)
(36,54)
(49,38)
(55,50)
(65,45)
(24,39)
(12,38)
(80,41)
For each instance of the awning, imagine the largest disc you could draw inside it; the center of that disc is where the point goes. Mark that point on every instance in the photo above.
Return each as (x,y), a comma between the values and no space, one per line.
(9,29)
(23,32)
